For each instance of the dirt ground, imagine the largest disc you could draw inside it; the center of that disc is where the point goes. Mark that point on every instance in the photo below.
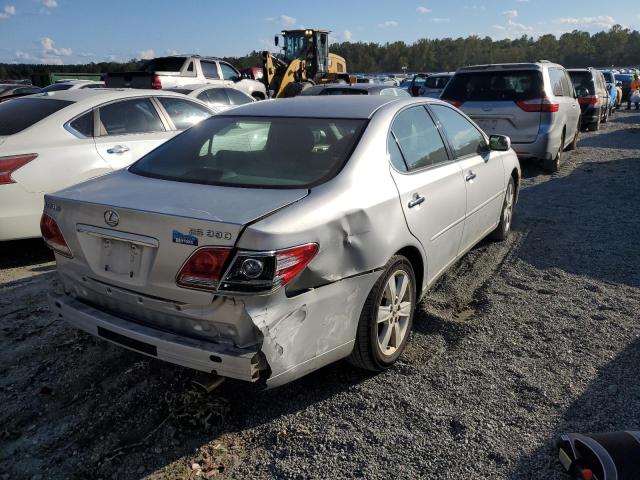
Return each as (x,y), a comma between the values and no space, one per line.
(519,342)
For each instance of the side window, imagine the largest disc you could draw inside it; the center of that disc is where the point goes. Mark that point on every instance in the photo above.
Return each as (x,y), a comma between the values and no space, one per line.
(419,139)
(83,124)
(210,70)
(567,86)
(130,116)
(184,113)
(555,76)
(216,96)
(395,156)
(228,72)
(464,137)
(237,97)
(190,67)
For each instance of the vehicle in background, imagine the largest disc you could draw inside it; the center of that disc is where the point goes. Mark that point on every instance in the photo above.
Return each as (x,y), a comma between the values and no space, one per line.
(255,73)
(417,82)
(534,104)
(179,70)
(615,95)
(53,140)
(434,84)
(357,89)
(9,91)
(365,80)
(48,78)
(61,85)
(271,257)
(218,97)
(592,95)
(625,80)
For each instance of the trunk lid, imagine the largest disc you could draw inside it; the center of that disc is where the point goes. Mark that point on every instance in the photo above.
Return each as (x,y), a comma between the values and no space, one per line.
(504,118)
(135,232)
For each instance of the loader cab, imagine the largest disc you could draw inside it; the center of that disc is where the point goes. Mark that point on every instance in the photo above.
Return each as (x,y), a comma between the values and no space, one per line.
(309,45)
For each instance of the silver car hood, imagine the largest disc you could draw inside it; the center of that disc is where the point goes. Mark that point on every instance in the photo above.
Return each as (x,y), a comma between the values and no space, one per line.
(204,202)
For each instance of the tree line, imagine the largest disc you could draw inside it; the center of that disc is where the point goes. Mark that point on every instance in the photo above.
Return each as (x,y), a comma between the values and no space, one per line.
(617,46)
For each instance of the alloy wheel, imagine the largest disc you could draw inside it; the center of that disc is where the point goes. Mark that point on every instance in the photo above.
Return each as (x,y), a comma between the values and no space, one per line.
(394,312)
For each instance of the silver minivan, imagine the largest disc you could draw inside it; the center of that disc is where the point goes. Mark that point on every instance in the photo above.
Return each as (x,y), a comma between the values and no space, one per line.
(533,103)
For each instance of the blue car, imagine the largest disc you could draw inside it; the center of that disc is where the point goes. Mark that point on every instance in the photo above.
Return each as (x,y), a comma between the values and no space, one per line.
(610,80)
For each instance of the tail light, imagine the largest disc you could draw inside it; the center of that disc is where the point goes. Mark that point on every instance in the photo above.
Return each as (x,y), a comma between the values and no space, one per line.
(249,272)
(455,103)
(53,236)
(203,268)
(8,165)
(156,83)
(589,100)
(538,105)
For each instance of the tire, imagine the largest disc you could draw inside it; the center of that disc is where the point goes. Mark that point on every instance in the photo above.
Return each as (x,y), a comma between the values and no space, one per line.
(554,164)
(574,143)
(501,232)
(606,116)
(295,88)
(369,352)
(594,127)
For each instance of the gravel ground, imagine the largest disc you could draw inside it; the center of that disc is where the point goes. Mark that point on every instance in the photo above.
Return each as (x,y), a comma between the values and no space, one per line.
(519,342)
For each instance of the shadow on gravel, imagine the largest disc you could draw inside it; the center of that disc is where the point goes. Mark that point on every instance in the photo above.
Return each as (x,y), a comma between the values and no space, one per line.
(21,253)
(586,223)
(626,138)
(610,403)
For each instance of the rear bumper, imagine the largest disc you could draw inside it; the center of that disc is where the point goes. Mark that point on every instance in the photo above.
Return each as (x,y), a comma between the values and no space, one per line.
(224,360)
(590,116)
(544,147)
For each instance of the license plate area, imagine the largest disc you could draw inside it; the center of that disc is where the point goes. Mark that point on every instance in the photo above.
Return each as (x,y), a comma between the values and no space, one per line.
(121,257)
(488,125)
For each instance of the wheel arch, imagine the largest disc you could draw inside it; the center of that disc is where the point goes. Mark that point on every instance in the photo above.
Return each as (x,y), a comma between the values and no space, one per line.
(414,256)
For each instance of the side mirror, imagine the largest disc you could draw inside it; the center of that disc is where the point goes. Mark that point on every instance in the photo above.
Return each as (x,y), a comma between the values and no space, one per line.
(276,40)
(499,143)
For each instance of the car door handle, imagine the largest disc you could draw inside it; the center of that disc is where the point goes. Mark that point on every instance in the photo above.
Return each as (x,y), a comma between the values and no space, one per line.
(118,149)
(417,200)
(470,176)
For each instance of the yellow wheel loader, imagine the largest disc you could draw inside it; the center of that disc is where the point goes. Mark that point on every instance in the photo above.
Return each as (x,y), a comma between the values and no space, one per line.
(305,61)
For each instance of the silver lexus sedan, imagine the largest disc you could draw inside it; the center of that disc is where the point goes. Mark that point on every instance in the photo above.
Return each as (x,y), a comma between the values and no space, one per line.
(273,239)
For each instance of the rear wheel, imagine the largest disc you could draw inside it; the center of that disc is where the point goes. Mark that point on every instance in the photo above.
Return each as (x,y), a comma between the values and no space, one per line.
(504,227)
(605,119)
(552,165)
(594,127)
(386,318)
(574,142)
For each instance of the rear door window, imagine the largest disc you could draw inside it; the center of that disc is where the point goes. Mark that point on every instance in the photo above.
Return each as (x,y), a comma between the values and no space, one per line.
(512,86)
(555,77)
(130,116)
(567,86)
(215,96)
(21,113)
(237,97)
(464,137)
(210,70)
(184,113)
(83,124)
(418,139)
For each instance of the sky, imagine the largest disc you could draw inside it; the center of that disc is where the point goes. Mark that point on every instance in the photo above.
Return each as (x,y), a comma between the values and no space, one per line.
(82,31)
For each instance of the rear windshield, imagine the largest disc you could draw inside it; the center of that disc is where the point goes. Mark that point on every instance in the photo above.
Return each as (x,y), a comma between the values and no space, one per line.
(437,82)
(343,91)
(494,86)
(164,64)
(262,152)
(21,113)
(55,87)
(608,77)
(583,83)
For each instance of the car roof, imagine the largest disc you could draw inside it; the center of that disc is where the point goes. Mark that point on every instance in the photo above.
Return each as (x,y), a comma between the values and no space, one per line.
(338,106)
(197,86)
(100,95)
(507,66)
(357,86)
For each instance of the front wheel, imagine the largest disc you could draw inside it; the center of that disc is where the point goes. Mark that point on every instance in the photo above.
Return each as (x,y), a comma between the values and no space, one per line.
(386,318)
(501,232)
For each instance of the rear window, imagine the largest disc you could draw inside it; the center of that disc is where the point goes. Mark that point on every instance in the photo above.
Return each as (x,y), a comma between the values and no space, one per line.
(583,83)
(258,152)
(55,87)
(608,77)
(437,82)
(494,86)
(164,64)
(343,91)
(21,113)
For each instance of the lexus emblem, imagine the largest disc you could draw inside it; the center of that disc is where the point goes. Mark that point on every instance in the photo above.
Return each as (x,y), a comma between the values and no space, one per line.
(111,218)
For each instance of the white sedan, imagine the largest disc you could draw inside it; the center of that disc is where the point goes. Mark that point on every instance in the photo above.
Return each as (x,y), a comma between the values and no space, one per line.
(218,97)
(54,140)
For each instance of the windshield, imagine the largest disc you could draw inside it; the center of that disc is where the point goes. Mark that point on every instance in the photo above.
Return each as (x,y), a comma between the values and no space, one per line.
(583,83)
(21,113)
(262,152)
(494,86)
(164,64)
(294,46)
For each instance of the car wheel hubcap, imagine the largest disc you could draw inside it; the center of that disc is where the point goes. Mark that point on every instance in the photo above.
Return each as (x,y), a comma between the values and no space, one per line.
(394,312)
(508,208)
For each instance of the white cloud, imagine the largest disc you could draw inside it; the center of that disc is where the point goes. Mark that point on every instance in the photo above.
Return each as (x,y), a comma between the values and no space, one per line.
(50,3)
(441,20)
(600,21)
(388,23)
(172,51)
(284,20)
(48,48)
(347,35)
(510,13)
(20,55)
(147,54)
(523,1)
(7,11)
(475,7)
(499,27)
(423,10)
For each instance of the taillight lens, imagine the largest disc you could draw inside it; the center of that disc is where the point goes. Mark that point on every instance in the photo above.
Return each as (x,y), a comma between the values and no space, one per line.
(291,262)
(589,100)
(156,83)
(204,268)
(538,105)
(455,103)
(10,164)
(53,236)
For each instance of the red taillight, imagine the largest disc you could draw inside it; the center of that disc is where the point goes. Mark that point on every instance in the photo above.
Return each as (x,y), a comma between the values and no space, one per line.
(10,164)
(156,83)
(589,100)
(204,268)
(53,236)
(291,262)
(455,103)
(538,105)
